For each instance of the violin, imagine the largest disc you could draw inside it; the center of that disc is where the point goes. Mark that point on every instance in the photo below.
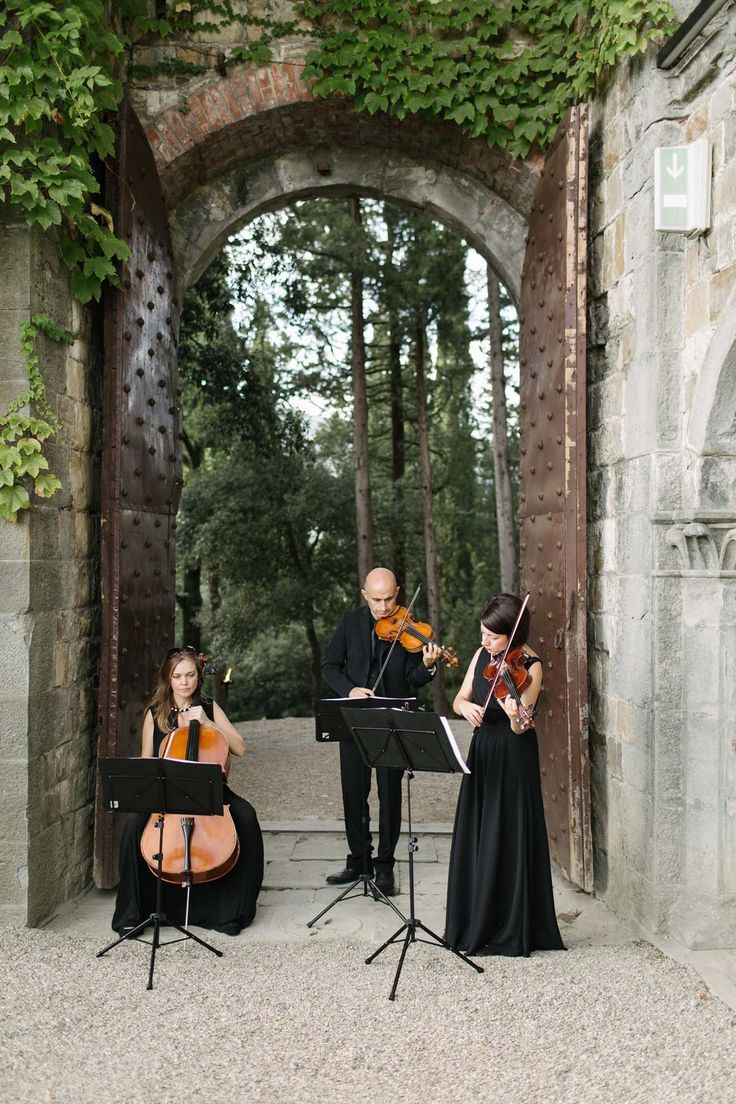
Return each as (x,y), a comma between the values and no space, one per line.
(412,635)
(513,679)
(195,848)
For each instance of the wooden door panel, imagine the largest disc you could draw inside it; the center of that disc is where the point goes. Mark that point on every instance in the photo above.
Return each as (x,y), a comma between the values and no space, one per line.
(552,496)
(141,465)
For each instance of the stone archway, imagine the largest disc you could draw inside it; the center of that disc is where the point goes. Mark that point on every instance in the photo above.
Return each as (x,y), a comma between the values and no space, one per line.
(259,141)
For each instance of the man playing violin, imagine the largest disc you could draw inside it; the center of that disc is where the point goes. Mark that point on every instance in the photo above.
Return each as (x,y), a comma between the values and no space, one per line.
(352,663)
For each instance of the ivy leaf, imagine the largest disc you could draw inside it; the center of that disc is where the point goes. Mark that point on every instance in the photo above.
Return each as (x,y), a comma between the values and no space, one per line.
(375,101)
(13,499)
(10,457)
(100,267)
(33,465)
(464,111)
(29,445)
(71,252)
(46,485)
(85,287)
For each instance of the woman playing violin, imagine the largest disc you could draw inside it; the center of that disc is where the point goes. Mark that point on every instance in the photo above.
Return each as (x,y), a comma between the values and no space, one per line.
(499,892)
(228,903)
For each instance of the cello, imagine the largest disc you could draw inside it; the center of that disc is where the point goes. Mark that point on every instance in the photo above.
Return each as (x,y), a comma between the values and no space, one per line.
(195,848)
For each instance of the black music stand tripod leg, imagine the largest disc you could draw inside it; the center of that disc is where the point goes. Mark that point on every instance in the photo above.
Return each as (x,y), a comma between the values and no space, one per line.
(156,918)
(364,879)
(421,743)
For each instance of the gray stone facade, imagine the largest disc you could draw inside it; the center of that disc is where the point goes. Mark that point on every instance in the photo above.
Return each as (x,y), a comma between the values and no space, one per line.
(662,505)
(49,602)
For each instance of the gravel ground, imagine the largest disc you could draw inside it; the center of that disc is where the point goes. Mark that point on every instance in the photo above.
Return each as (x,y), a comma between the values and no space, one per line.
(309,1022)
(287,775)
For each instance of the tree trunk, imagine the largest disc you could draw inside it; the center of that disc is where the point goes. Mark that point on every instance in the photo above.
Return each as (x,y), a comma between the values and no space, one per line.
(315,659)
(396,386)
(363,504)
(425,472)
(501,471)
(190,603)
(398,455)
(221,689)
(315,652)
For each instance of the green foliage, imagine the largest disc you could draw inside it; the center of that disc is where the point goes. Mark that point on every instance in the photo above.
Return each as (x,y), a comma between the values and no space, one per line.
(253,508)
(264,509)
(57,84)
(505,72)
(22,463)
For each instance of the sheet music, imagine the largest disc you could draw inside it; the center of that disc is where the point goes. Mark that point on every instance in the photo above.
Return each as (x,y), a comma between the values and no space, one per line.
(375,698)
(327,708)
(453,744)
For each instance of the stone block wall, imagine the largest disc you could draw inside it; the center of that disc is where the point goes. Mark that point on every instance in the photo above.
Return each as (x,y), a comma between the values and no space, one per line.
(662,501)
(49,621)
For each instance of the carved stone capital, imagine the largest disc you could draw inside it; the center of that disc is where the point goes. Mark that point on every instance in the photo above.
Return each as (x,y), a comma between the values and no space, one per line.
(702,547)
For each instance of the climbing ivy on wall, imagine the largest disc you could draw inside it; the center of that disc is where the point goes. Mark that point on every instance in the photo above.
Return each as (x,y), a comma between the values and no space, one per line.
(22,434)
(503,71)
(57,82)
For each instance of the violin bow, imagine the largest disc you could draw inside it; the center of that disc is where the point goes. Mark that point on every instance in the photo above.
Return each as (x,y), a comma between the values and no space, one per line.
(395,640)
(506,650)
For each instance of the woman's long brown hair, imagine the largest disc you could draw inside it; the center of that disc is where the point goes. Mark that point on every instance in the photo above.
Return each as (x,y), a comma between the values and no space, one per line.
(162,703)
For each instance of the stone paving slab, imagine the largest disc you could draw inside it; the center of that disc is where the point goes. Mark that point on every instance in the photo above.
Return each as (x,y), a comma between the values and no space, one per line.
(334,847)
(295,891)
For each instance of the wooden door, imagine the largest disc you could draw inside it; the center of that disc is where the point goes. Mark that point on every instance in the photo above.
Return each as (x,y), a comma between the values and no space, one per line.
(141,465)
(552,496)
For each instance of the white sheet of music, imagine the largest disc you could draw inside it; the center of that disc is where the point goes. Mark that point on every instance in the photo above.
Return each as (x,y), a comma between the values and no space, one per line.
(376,699)
(453,744)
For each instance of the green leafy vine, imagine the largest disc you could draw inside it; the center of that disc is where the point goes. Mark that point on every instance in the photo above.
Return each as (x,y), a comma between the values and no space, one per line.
(502,72)
(58,81)
(22,434)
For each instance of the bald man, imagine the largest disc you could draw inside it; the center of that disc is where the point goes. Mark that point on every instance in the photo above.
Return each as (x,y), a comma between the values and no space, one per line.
(353,659)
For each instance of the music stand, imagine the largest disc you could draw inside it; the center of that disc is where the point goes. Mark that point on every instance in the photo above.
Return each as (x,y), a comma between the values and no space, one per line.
(330,727)
(413,742)
(161,786)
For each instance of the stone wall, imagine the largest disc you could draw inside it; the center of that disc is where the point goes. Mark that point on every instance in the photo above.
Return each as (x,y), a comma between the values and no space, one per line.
(662,503)
(48,603)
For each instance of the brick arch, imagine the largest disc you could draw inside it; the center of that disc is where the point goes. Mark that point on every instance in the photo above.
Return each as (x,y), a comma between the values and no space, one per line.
(263,112)
(265,123)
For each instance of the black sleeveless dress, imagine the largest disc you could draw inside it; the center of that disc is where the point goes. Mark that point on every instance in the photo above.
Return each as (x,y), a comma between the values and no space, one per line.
(499,890)
(226,905)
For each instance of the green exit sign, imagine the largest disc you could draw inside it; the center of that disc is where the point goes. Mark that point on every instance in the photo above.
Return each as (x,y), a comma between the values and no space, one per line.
(682,187)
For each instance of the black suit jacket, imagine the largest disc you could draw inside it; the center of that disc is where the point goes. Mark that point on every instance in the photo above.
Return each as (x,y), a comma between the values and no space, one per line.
(348,658)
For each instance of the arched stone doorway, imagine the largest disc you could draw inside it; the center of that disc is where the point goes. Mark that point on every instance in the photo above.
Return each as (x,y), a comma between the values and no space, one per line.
(258,141)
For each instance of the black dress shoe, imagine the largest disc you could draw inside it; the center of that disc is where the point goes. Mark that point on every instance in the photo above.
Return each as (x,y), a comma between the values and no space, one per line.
(384,880)
(343,877)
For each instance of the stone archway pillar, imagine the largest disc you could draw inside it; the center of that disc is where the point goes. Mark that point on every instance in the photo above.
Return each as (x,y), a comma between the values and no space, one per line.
(48,590)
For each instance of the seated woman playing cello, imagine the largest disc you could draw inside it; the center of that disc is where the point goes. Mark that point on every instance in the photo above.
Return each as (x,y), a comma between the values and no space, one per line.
(228,903)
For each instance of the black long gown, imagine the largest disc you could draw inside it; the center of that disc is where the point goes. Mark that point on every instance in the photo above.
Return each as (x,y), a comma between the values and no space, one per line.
(499,890)
(226,905)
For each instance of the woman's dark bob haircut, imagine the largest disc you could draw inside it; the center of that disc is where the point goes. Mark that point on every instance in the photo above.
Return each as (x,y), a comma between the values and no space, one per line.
(499,616)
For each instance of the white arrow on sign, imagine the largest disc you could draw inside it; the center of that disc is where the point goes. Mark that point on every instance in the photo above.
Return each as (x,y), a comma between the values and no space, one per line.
(675,170)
